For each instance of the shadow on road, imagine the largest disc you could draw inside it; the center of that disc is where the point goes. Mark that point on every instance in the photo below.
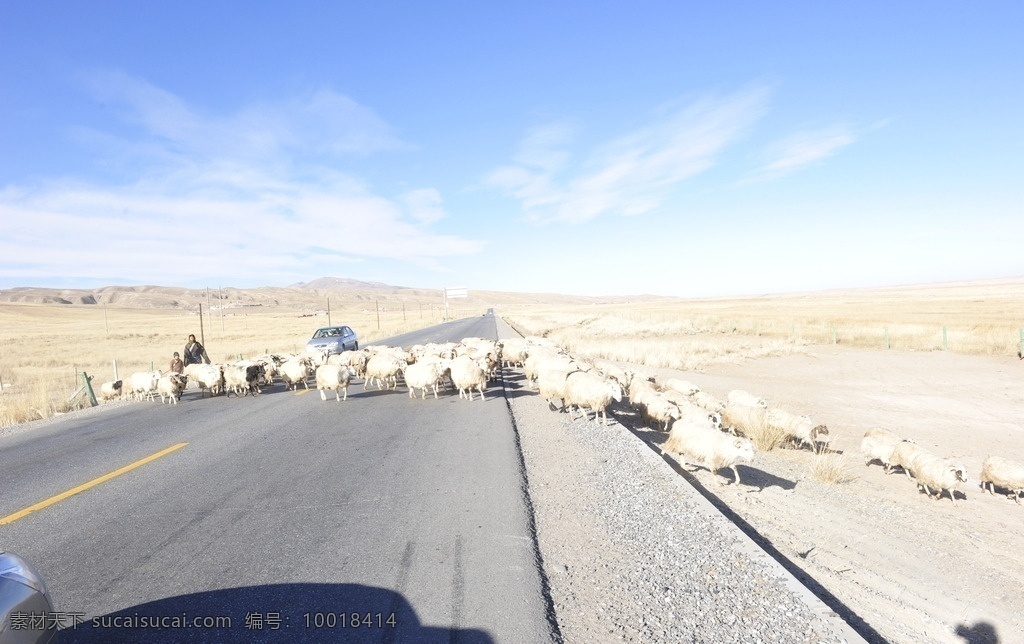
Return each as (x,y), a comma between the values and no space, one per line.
(270,613)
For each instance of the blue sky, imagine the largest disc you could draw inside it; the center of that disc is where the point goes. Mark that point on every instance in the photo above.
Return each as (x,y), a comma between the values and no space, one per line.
(690,149)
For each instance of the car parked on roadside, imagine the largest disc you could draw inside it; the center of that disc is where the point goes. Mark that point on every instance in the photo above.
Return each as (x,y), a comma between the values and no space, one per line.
(332,340)
(26,609)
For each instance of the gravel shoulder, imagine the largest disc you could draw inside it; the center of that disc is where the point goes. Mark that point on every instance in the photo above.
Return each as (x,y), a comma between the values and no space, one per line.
(630,556)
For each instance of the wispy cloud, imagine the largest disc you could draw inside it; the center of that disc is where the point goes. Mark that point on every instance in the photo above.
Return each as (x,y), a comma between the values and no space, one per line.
(803,149)
(257,193)
(632,174)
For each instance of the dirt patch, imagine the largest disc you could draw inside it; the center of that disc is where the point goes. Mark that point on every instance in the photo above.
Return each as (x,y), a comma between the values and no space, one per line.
(915,569)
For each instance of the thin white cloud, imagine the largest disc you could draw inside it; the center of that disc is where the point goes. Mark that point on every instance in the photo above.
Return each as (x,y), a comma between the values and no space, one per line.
(630,175)
(255,194)
(803,149)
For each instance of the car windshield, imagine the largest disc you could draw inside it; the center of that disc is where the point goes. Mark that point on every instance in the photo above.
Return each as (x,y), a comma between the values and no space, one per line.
(326,333)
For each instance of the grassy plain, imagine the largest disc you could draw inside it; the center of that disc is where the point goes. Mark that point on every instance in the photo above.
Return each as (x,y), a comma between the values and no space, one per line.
(46,346)
(982,318)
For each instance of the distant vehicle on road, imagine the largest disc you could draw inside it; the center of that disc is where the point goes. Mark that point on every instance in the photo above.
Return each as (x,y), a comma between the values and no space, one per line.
(332,340)
(25,606)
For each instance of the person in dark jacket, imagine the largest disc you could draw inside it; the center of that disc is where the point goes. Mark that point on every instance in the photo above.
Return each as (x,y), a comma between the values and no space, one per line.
(194,352)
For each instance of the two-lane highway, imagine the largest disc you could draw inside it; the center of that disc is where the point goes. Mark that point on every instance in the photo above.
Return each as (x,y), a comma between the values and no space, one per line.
(283,518)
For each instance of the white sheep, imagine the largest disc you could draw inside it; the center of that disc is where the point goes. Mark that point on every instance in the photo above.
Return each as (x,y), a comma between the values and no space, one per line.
(740,397)
(142,384)
(708,402)
(384,368)
(170,387)
(467,375)
(589,390)
(514,352)
(207,377)
(904,455)
(296,370)
(111,390)
(355,359)
(750,421)
(684,387)
(660,410)
(877,445)
(939,474)
(798,428)
(333,377)
(425,374)
(242,378)
(1004,473)
(701,443)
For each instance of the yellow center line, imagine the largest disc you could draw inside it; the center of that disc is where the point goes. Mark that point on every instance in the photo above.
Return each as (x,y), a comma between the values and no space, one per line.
(299,392)
(85,486)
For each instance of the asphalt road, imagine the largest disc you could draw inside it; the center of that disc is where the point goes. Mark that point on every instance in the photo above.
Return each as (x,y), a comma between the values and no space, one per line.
(285,514)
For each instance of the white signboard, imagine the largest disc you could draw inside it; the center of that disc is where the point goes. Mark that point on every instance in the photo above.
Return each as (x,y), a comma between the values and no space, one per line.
(454,292)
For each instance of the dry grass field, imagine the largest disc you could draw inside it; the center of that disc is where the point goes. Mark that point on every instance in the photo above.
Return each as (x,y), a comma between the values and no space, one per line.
(981,318)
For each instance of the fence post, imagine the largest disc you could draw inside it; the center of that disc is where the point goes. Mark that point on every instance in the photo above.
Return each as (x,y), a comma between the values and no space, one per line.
(834,334)
(1020,351)
(87,382)
(887,337)
(945,343)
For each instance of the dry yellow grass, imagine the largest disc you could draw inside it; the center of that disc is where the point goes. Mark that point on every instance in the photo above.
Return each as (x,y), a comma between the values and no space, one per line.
(982,318)
(832,469)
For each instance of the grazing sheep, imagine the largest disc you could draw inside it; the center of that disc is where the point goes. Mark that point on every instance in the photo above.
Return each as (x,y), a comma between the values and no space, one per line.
(170,387)
(701,443)
(142,384)
(740,397)
(333,377)
(903,456)
(424,375)
(684,387)
(111,390)
(877,445)
(551,381)
(207,377)
(467,375)
(800,429)
(587,389)
(296,370)
(939,474)
(1004,473)
(616,373)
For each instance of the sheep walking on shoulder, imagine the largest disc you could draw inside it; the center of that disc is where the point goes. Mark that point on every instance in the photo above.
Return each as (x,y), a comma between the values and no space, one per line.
(878,445)
(701,443)
(938,474)
(142,384)
(799,429)
(111,390)
(997,471)
(740,397)
(904,455)
(586,389)
(684,387)
(334,377)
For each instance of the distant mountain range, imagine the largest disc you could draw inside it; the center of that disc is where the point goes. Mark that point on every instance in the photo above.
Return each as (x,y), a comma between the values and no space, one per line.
(313,293)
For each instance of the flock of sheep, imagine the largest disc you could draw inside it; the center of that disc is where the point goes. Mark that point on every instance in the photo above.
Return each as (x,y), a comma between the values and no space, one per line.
(702,430)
